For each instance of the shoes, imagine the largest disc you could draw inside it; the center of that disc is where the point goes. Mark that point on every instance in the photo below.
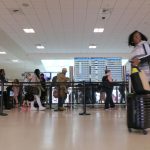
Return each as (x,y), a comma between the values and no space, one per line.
(33,109)
(42,108)
(60,109)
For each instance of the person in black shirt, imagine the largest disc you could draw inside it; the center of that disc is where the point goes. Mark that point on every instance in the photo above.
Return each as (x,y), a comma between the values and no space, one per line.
(2,75)
(5,93)
(44,92)
(108,87)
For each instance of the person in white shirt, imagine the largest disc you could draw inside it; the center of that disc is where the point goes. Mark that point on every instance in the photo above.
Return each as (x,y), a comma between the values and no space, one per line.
(36,78)
(140,55)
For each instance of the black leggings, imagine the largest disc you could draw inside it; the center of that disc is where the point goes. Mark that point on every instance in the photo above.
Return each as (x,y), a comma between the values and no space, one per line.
(109,101)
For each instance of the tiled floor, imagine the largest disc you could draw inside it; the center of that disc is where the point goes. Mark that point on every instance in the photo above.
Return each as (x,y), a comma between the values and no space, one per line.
(49,130)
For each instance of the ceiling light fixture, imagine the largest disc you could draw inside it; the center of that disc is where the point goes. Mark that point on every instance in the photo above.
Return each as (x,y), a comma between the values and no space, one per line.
(98,30)
(39,46)
(92,46)
(29,30)
(1,53)
(15,60)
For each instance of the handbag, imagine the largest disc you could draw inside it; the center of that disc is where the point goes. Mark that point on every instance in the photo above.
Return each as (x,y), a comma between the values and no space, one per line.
(55,93)
(32,90)
(139,81)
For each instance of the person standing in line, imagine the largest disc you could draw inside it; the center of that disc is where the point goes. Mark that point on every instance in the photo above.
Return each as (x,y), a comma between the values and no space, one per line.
(62,89)
(16,89)
(5,97)
(122,93)
(36,90)
(140,55)
(43,92)
(108,87)
(2,75)
(27,95)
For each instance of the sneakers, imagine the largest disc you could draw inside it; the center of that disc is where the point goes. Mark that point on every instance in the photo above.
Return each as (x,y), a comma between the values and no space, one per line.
(42,108)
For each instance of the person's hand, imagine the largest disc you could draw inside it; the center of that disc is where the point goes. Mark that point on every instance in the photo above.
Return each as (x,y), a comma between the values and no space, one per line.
(135,62)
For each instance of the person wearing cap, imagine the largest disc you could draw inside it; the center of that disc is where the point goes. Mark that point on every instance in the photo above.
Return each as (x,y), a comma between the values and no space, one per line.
(108,85)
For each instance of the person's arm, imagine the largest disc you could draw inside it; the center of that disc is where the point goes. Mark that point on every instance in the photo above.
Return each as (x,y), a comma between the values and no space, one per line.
(110,78)
(135,62)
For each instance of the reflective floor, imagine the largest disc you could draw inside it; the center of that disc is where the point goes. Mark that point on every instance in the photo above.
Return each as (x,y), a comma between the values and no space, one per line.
(49,130)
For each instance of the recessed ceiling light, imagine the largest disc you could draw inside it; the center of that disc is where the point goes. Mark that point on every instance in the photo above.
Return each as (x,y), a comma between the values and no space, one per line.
(40,46)
(15,60)
(92,46)
(98,30)
(3,53)
(29,30)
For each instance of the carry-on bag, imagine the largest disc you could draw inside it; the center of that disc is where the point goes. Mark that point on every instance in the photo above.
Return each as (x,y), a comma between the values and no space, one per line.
(138,112)
(139,81)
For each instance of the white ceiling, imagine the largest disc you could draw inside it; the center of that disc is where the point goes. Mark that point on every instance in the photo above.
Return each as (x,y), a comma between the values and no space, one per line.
(65,28)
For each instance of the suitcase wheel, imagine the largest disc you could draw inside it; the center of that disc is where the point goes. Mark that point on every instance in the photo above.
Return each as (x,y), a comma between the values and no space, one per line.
(144,132)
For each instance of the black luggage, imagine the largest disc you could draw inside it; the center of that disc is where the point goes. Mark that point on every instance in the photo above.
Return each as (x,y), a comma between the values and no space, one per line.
(138,112)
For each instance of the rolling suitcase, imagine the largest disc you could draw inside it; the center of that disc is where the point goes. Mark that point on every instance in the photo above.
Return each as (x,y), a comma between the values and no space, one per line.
(138,112)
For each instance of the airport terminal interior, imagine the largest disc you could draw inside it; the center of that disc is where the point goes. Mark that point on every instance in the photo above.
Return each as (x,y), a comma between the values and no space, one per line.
(70,74)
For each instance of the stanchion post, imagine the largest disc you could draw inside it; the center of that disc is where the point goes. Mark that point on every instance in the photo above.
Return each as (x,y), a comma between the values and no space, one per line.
(50,96)
(84,102)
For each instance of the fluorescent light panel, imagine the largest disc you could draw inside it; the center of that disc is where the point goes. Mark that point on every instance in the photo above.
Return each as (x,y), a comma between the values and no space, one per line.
(15,60)
(98,30)
(40,47)
(29,30)
(92,46)
(2,52)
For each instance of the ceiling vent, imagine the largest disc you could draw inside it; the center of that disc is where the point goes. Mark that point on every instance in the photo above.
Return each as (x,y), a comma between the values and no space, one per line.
(17,11)
(104,13)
